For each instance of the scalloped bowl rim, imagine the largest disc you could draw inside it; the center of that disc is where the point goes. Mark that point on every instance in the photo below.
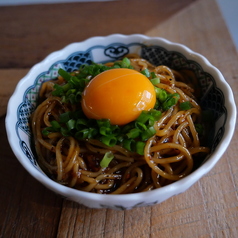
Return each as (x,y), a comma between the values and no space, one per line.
(172,189)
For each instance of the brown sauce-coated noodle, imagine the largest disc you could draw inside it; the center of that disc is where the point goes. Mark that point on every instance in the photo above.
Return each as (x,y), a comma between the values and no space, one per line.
(168,156)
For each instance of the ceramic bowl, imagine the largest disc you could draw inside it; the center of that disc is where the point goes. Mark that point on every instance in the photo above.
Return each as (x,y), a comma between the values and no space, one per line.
(217,97)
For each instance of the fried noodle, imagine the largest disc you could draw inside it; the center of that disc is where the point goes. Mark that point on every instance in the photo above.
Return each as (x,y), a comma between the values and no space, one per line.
(168,155)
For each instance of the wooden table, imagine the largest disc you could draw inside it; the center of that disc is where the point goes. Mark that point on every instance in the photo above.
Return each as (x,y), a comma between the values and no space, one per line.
(28,34)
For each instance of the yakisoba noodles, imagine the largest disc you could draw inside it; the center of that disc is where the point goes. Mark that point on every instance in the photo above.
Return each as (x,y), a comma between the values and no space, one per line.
(168,155)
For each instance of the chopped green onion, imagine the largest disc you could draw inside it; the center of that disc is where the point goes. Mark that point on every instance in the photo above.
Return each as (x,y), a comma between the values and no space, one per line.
(74,81)
(55,125)
(71,91)
(155,81)
(140,147)
(83,134)
(155,114)
(115,130)
(141,126)
(125,63)
(120,138)
(70,124)
(129,144)
(148,117)
(64,131)
(153,75)
(199,128)
(105,131)
(78,96)
(71,98)
(171,100)
(109,140)
(92,133)
(133,133)
(63,99)
(157,104)
(161,94)
(58,91)
(46,131)
(66,87)
(81,122)
(127,128)
(116,66)
(107,158)
(148,133)
(103,123)
(185,105)
(64,117)
(146,72)
(64,74)
(143,117)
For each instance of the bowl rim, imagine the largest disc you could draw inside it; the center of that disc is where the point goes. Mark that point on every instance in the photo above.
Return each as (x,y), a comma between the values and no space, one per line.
(176,186)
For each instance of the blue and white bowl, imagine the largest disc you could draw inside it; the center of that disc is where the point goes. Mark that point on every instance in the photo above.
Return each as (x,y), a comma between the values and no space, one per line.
(217,97)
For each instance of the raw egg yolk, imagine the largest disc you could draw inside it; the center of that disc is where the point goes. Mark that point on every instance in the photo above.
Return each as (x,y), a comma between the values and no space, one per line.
(118,95)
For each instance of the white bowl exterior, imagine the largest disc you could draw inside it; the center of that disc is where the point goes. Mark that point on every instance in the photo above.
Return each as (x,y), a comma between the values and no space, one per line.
(126,201)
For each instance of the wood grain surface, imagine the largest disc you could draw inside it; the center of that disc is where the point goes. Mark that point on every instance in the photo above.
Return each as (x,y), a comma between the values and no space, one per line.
(209,209)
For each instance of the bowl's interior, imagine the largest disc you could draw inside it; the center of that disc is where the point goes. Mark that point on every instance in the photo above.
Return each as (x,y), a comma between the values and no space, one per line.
(212,98)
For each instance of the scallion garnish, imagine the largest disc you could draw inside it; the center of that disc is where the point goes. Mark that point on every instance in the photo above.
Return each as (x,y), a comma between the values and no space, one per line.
(125,63)
(161,94)
(133,133)
(148,133)
(64,117)
(107,158)
(109,140)
(64,74)
(185,105)
(153,75)
(199,128)
(146,72)
(144,117)
(140,145)
(64,131)
(55,125)
(82,134)
(141,126)
(129,144)
(70,124)
(170,101)
(105,131)
(155,81)
(58,91)
(46,131)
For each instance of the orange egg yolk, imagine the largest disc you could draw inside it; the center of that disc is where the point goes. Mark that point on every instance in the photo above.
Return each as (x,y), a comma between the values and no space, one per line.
(118,95)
